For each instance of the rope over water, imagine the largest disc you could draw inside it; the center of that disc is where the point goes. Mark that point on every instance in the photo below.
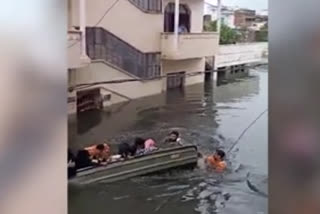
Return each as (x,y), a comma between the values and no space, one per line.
(245,130)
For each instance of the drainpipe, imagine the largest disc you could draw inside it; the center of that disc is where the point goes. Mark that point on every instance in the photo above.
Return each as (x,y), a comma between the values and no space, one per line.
(176,24)
(82,12)
(219,17)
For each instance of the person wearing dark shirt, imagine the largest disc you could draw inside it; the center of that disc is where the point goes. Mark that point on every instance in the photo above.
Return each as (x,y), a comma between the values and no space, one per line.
(126,150)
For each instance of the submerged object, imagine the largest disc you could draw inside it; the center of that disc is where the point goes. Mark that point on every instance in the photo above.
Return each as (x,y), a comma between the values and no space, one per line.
(160,160)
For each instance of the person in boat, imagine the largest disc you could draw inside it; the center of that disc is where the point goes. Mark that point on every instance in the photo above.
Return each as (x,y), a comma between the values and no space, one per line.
(149,146)
(138,147)
(173,139)
(93,155)
(126,150)
(217,161)
(72,171)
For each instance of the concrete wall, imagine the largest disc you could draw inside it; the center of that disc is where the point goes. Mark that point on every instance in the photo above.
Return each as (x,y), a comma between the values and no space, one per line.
(98,71)
(240,54)
(139,29)
(120,92)
(74,50)
(206,44)
(189,66)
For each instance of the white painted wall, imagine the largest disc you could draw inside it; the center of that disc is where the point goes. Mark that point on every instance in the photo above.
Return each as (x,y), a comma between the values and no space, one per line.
(229,19)
(126,21)
(189,66)
(98,72)
(240,54)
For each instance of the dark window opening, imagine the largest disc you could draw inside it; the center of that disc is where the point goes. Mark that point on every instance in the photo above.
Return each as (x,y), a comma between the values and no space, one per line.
(184,17)
(176,80)
(89,100)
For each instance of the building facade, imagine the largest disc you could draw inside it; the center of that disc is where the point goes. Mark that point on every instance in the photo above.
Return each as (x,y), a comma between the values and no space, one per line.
(244,18)
(126,49)
(227,14)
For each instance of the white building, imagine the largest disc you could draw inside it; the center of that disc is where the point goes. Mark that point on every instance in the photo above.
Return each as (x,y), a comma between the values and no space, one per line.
(227,14)
(114,58)
(263,12)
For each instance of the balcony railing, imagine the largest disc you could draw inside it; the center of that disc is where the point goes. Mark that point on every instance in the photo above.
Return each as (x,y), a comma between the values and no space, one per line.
(103,45)
(190,45)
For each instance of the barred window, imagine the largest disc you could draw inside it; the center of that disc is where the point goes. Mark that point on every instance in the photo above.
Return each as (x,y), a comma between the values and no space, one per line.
(102,44)
(148,5)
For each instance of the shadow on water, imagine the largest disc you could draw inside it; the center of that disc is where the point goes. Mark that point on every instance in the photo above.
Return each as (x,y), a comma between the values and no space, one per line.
(207,116)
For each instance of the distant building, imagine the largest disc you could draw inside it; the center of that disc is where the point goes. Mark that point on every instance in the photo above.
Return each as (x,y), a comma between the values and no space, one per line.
(244,18)
(260,21)
(263,12)
(227,14)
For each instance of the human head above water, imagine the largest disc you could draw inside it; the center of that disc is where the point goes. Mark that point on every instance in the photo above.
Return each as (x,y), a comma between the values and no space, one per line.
(100,147)
(220,154)
(174,135)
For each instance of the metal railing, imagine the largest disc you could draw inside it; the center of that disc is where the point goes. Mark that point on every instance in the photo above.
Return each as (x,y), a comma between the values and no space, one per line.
(148,6)
(103,45)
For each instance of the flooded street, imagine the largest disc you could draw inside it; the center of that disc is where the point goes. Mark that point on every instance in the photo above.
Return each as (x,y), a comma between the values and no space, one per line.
(205,116)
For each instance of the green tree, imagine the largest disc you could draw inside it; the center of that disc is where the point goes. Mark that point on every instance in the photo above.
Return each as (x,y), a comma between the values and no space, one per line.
(227,34)
(262,34)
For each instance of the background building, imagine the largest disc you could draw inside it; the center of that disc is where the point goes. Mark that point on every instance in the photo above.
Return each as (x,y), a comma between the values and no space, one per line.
(227,14)
(244,18)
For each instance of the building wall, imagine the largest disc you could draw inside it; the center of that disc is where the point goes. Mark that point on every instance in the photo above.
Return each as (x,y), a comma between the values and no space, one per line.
(189,66)
(229,19)
(98,71)
(241,17)
(120,92)
(142,31)
(241,53)
(126,21)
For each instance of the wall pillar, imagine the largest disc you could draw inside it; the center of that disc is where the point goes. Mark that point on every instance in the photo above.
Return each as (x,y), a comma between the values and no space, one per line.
(176,24)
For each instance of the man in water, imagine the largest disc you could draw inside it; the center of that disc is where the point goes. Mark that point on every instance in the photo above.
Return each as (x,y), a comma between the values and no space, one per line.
(216,161)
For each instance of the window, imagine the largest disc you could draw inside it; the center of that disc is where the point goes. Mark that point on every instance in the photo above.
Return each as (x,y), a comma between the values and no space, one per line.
(148,5)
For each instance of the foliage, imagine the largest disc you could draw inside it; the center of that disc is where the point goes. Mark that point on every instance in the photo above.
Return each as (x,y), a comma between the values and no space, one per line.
(262,34)
(227,34)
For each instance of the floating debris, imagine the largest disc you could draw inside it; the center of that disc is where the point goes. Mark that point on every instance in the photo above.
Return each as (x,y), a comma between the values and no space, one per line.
(121,197)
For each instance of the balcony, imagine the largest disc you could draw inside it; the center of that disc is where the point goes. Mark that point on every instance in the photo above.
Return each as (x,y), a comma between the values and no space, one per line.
(75,60)
(190,45)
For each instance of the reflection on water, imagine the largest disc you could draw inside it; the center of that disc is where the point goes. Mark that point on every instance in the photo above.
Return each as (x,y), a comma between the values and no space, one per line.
(206,116)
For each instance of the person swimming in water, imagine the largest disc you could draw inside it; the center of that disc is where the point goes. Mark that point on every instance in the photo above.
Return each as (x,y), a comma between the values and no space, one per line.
(217,161)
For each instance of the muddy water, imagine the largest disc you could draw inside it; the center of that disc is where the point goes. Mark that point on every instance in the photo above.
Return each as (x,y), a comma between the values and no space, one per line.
(206,116)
